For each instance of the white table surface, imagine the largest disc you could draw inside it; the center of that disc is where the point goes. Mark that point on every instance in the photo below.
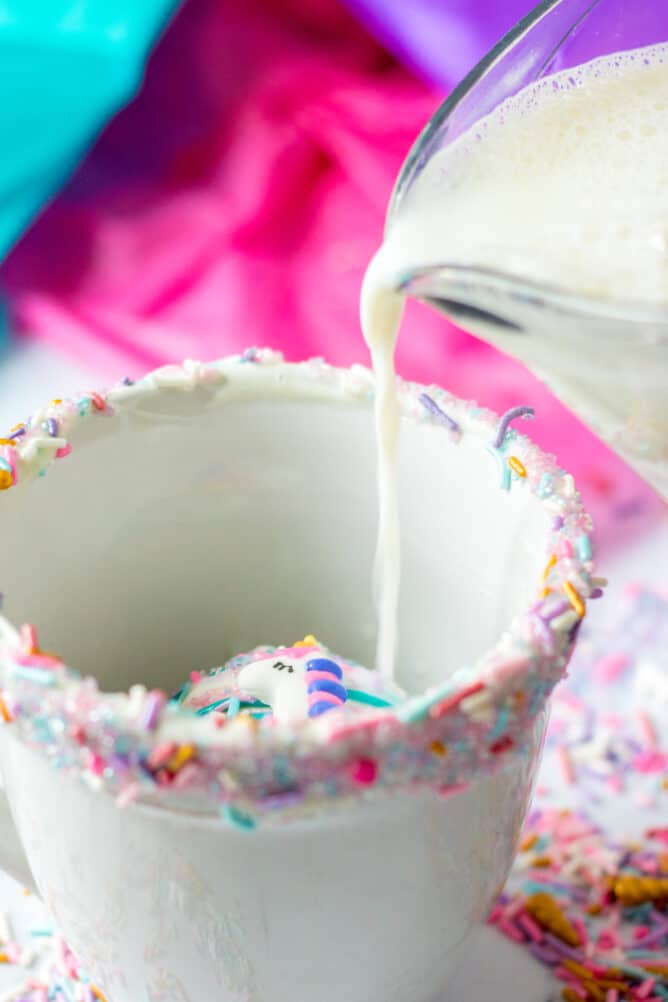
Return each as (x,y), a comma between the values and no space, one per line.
(493,968)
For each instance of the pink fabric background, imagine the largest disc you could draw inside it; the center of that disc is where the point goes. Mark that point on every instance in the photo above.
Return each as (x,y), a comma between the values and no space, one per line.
(236,203)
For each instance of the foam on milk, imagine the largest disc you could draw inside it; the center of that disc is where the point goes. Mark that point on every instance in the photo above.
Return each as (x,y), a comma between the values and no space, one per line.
(564,184)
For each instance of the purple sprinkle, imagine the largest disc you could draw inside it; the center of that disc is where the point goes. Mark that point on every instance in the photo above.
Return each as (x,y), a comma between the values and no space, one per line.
(430,404)
(511,415)
(558,610)
(563,949)
(51,426)
(596,593)
(126,381)
(250,355)
(652,938)
(544,954)
(151,711)
(18,433)
(558,523)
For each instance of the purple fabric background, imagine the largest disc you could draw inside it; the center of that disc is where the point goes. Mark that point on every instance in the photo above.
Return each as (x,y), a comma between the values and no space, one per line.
(441,40)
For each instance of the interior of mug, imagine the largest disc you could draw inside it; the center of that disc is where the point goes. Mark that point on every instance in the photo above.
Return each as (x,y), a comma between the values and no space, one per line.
(183,531)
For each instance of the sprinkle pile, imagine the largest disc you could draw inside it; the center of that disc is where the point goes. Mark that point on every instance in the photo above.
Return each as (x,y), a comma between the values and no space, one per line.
(141,745)
(46,969)
(593,911)
(605,734)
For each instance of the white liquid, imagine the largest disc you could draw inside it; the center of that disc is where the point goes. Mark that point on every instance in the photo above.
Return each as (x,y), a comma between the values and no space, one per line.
(566,185)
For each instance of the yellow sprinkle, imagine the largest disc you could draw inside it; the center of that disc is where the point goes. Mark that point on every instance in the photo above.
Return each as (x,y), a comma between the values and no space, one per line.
(438,748)
(550,564)
(4,712)
(98,994)
(182,755)
(528,843)
(4,959)
(545,592)
(308,641)
(56,401)
(6,480)
(7,441)
(575,599)
(517,466)
(664,783)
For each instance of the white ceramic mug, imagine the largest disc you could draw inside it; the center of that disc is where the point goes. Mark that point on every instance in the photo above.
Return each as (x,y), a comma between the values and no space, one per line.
(199,521)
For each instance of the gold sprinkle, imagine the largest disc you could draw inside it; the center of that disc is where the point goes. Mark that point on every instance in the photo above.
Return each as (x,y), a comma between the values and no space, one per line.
(98,994)
(541,862)
(517,466)
(528,843)
(569,995)
(308,641)
(635,890)
(6,480)
(56,401)
(4,712)
(594,909)
(550,564)
(574,598)
(544,909)
(7,441)
(663,862)
(545,592)
(182,755)
(438,748)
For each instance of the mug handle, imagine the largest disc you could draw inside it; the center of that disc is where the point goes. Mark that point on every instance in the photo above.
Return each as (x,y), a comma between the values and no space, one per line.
(12,857)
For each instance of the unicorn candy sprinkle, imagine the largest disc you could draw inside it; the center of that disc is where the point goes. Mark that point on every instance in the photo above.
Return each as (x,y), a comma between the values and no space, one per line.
(288,685)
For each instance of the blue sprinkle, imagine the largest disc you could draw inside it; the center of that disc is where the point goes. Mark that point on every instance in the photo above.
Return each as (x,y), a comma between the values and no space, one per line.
(500,725)
(237,819)
(324,664)
(328,685)
(40,675)
(319,708)
(504,469)
(511,415)
(583,546)
(545,485)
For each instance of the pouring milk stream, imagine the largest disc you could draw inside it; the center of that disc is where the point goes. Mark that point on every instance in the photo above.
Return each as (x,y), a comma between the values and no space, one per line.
(564,185)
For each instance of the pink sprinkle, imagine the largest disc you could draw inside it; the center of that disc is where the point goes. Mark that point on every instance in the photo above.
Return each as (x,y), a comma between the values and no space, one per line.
(581,929)
(43,661)
(161,754)
(449,791)
(565,765)
(564,548)
(510,930)
(646,728)
(98,401)
(610,667)
(615,784)
(127,795)
(96,764)
(645,989)
(495,914)
(612,995)
(195,677)
(63,451)
(530,927)
(607,940)
(29,638)
(650,762)
(364,771)
(640,931)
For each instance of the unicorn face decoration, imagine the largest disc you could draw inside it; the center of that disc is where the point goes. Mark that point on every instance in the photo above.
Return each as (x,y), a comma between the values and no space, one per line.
(296,682)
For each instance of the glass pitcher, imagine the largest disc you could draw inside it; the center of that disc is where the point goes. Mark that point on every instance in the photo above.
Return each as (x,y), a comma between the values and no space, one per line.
(607,359)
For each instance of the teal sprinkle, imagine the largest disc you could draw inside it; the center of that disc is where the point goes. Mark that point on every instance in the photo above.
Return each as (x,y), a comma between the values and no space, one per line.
(536,887)
(42,473)
(545,485)
(635,972)
(359,696)
(204,710)
(583,546)
(41,933)
(500,725)
(237,819)
(504,470)
(234,706)
(4,465)
(416,709)
(40,675)
(641,954)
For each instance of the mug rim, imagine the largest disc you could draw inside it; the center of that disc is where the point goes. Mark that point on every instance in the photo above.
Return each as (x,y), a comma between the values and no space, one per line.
(442,738)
